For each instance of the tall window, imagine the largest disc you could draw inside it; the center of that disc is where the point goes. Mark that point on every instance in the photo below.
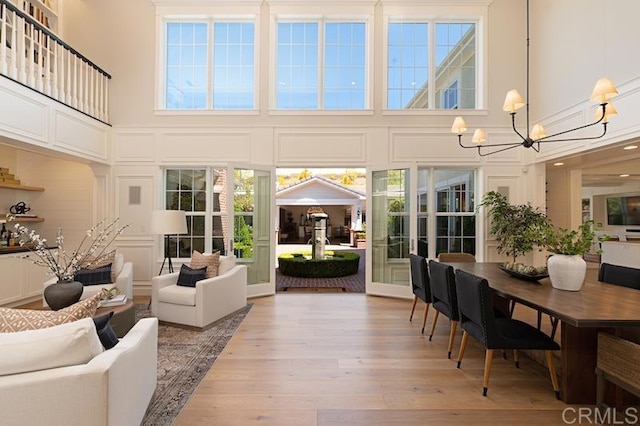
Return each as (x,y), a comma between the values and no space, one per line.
(415,81)
(201,193)
(209,65)
(307,79)
(455,215)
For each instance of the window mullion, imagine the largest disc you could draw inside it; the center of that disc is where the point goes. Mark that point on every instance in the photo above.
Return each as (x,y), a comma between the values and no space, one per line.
(321,46)
(431,69)
(210,63)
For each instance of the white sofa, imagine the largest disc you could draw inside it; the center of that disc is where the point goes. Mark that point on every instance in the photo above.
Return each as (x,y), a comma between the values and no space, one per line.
(114,388)
(202,305)
(124,282)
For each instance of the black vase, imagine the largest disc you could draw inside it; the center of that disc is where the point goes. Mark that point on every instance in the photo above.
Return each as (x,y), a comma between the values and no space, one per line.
(62,294)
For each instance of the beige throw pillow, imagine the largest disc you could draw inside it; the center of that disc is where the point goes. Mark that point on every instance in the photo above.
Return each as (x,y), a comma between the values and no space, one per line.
(211,261)
(12,320)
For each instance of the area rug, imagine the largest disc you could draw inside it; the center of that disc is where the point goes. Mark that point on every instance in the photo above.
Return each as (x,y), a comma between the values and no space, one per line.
(184,358)
(351,283)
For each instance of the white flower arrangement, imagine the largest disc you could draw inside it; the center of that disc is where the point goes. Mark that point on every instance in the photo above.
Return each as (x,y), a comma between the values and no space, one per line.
(92,249)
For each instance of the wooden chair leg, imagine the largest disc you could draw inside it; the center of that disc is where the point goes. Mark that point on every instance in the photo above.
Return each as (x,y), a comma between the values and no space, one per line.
(413,307)
(452,337)
(424,319)
(433,327)
(552,373)
(488,357)
(512,307)
(516,357)
(463,346)
(539,320)
(554,326)
(601,385)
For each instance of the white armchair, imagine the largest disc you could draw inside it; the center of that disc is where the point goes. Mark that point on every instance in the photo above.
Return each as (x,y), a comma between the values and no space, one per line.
(200,306)
(124,282)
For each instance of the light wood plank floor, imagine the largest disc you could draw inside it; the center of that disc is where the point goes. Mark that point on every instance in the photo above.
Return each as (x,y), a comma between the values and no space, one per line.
(350,359)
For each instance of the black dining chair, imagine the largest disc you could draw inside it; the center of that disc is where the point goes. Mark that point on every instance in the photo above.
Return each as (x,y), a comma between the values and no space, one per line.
(619,275)
(477,319)
(420,285)
(443,297)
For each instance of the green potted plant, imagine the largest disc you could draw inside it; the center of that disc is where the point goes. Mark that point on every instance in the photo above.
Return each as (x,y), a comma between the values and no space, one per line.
(518,229)
(567,267)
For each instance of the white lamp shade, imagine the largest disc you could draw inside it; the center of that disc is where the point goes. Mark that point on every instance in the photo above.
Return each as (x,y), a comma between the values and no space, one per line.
(168,222)
(479,137)
(459,126)
(538,132)
(512,101)
(604,90)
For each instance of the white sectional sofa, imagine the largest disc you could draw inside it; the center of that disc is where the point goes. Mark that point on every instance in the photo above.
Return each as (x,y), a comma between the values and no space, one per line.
(200,306)
(112,389)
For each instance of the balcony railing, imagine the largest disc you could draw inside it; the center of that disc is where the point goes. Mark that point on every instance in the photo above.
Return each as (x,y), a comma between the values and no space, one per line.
(32,55)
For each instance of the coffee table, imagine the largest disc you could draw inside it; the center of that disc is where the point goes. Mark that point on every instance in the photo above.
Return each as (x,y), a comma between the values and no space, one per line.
(124,317)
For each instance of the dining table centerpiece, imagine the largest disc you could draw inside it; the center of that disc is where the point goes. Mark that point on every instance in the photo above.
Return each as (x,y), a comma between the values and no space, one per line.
(94,249)
(567,267)
(518,229)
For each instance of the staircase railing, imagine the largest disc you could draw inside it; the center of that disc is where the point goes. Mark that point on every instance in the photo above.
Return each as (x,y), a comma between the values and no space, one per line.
(32,55)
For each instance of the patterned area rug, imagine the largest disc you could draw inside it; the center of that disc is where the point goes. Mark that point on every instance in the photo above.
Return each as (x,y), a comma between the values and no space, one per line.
(184,358)
(351,283)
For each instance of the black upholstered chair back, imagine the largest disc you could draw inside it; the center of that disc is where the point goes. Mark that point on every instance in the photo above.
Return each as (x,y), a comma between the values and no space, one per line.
(619,275)
(420,277)
(443,289)
(476,309)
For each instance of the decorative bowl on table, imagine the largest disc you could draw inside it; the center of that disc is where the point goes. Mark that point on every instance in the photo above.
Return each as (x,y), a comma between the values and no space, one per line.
(525,272)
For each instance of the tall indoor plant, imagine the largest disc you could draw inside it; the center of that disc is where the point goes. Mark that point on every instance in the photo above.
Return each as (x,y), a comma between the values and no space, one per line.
(518,228)
(567,267)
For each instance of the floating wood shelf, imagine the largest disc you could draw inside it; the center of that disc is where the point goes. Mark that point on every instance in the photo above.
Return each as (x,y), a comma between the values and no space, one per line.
(28,219)
(21,187)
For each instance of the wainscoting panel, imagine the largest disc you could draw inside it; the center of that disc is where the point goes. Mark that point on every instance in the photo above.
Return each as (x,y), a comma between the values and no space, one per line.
(22,115)
(432,147)
(141,255)
(134,147)
(333,148)
(205,147)
(80,136)
(136,212)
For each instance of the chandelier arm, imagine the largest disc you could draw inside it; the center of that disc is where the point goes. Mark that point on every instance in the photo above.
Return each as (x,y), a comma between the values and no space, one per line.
(513,124)
(604,132)
(514,145)
(548,138)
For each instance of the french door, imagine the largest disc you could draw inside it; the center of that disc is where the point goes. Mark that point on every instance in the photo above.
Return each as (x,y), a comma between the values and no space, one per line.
(253,226)
(391,229)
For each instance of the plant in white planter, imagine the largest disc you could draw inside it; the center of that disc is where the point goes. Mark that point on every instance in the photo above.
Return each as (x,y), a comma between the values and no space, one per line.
(567,267)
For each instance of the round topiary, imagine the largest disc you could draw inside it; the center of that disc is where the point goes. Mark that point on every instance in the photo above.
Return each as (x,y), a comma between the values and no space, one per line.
(336,264)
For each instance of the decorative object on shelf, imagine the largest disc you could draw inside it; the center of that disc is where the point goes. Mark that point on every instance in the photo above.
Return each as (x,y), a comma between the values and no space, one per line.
(567,267)
(603,91)
(19,208)
(93,249)
(168,222)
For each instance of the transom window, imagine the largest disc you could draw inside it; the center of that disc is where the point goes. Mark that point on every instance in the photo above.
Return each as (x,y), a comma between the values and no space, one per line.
(425,60)
(209,65)
(321,65)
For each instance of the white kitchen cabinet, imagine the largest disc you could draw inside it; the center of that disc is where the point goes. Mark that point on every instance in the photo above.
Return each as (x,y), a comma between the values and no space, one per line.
(20,279)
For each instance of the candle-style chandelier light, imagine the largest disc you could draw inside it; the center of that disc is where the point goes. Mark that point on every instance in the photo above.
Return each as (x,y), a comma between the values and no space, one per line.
(603,91)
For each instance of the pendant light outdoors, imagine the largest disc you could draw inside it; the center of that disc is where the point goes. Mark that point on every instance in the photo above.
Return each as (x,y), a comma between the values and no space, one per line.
(603,91)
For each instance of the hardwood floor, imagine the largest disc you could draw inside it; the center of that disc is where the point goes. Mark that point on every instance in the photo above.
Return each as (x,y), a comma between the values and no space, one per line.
(350,359)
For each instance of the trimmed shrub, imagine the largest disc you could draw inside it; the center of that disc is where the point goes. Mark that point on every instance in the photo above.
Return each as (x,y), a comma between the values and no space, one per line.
(338,264)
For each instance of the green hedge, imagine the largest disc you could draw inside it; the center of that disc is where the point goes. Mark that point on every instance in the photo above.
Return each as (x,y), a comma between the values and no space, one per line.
(339,264)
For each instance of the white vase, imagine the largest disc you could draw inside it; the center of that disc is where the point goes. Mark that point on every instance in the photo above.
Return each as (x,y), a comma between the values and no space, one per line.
(567,272)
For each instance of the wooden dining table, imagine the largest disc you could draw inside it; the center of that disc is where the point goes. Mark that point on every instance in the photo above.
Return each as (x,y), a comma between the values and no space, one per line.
(596,307)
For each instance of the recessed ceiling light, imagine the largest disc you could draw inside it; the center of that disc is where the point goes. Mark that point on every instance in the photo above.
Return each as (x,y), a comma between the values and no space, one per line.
(624,175)
(629,147)
(558,164)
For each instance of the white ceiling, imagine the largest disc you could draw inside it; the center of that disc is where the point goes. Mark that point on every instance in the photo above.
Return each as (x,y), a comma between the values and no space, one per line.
(603,167)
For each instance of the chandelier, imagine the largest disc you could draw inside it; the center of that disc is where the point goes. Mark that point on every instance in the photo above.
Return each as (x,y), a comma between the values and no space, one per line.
(603,91)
